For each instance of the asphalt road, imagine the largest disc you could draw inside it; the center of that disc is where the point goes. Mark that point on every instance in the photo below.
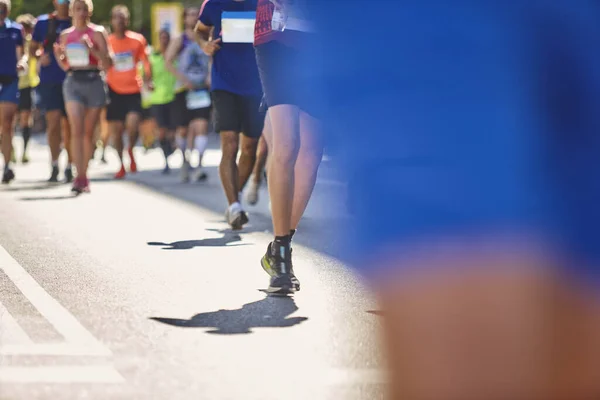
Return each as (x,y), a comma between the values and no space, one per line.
(139,291)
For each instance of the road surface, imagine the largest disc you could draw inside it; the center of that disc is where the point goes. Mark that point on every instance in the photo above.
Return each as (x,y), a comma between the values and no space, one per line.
(139,291)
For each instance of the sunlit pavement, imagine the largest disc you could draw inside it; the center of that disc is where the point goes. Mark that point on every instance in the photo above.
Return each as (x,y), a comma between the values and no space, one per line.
(139,291)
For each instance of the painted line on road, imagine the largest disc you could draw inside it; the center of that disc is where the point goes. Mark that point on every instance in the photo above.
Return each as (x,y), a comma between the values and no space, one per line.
(11,331)
(57,374)
(63,321)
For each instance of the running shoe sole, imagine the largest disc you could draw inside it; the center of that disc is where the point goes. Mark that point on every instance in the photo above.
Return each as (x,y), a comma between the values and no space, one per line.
(238,223)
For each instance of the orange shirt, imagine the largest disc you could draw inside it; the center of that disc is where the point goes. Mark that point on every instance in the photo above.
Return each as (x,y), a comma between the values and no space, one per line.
(123,77)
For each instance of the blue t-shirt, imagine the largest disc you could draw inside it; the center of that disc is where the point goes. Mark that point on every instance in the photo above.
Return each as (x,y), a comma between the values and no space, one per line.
(10,37)
(465,118)
(234,65)
(52,73)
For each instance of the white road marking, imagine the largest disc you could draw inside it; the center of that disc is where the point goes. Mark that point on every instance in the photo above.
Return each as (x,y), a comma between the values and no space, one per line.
(10,331)
(78,374)
(64,323)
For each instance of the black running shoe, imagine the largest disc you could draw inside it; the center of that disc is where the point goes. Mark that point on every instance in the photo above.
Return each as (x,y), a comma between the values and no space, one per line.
(276,262)
(54,176)
(8,176)
(295,280)
(201,176)
(68,175)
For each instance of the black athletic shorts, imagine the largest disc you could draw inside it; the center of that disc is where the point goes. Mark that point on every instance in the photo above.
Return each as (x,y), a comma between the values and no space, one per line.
(285,79)
(238,113)
(162,115)
(25,99)
(120,105)
(182,116)
(146,114)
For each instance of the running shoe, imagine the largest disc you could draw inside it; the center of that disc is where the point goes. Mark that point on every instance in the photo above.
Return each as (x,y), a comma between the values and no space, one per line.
(294,279)
(277,263)
(8,176)
(69,175)
(25,158)
(201,176)
(121,174)
(252,192)
(236,217)
(80,185)
(54,175)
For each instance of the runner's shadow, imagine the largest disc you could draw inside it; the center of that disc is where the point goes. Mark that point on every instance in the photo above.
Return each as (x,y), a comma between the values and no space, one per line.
(31,188)
(270,312)
(45,198)
(228,240)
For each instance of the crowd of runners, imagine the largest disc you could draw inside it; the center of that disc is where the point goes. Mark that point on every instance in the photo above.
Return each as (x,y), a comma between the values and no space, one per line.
(96,84)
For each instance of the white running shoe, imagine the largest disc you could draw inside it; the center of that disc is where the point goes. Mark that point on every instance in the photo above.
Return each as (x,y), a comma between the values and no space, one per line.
(236,216)
(252,192)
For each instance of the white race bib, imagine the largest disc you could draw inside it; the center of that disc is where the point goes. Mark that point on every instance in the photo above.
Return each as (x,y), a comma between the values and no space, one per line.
(238,27)
(198,99)
(124,62)
(78,55)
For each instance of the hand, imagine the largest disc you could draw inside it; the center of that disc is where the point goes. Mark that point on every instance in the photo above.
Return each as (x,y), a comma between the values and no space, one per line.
(211,47)
(150,85)
(45,60)
(86,41)
(21,66)
(189,85)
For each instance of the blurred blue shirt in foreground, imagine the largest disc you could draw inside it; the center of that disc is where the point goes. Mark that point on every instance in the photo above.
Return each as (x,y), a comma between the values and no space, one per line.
(465,117)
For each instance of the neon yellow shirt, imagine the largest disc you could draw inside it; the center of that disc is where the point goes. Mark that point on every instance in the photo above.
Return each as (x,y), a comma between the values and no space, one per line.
(32,78)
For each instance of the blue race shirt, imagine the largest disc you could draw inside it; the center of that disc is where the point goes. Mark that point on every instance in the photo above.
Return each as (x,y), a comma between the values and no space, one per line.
(234,65)
(52,73)
(10,38)
(465,117)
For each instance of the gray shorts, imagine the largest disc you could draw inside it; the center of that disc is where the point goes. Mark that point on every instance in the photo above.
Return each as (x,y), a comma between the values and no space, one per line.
(86,88)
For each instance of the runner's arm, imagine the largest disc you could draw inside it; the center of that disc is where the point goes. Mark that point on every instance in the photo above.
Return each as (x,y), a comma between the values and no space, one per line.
(59,52)
(102,51)
(171,55)
(143,57)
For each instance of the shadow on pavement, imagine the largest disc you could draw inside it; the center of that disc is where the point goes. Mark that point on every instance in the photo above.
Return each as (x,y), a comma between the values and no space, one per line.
(48,198)
(229,240)
(22,188)
(321,235)
(270,312)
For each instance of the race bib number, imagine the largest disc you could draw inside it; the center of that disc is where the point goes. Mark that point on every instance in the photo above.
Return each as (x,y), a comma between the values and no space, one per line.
(124,62)
(238,27)
(198,99)
(78,55)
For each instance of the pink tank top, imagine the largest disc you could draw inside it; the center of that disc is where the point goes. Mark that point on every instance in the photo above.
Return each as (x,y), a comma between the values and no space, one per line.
(78,54)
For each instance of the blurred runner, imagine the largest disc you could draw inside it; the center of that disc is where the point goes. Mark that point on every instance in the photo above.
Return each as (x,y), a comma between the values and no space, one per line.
(262,153)
(477,202)
(283,33)
(82,48)
(147,124)
(162,97)
(192,104)
(28,81)
(12,63)
(46,32)
(236,91)
(124,84)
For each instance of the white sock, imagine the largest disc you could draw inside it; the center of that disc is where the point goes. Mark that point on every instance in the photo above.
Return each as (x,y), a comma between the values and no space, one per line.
(55,163)
(200,143)
(235,207)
